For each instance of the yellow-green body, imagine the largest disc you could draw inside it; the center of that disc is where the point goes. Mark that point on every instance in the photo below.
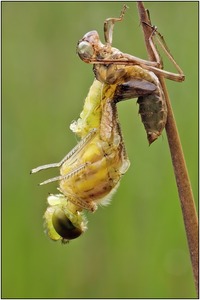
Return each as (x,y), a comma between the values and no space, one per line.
(104,157)
(91,172)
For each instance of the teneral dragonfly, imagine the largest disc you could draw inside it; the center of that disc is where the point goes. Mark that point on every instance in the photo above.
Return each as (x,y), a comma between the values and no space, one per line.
(134,76)
(91,172)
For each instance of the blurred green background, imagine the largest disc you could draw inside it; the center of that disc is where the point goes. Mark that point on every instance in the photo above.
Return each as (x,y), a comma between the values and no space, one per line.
(136,247)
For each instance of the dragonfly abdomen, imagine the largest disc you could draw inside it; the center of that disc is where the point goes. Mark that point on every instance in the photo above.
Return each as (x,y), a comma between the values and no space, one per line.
(153,111)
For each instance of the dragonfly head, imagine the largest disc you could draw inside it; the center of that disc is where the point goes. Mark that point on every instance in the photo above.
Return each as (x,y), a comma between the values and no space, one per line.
(89,46)
(62,220)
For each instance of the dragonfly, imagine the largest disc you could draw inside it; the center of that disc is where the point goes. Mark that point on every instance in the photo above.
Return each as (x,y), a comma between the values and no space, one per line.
(91,172)
(135,77)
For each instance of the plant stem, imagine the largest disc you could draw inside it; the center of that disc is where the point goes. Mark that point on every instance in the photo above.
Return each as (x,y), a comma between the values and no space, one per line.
(178,161)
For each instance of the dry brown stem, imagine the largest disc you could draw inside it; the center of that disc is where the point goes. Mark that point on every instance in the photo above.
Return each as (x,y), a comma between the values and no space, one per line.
(178,161)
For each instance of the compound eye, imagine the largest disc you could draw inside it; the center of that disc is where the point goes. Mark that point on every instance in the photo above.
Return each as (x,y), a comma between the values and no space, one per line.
(85,50)
(64,227)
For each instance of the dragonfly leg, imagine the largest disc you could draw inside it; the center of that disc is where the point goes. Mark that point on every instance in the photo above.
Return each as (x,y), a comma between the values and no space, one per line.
(74,151)
(160,39)
(109,25)
(165,48)
(72,173)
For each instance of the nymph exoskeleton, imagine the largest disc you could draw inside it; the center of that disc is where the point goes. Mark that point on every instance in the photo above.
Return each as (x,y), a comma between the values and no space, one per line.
(136,77)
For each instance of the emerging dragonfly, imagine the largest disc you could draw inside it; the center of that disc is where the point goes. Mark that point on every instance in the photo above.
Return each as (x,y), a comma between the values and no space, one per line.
(135,77)
(90,173)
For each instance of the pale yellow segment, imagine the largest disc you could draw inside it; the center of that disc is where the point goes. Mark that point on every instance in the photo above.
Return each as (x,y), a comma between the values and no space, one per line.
(90,116)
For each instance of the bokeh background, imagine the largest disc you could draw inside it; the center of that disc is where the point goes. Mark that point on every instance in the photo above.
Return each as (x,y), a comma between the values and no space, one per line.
(136,247)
